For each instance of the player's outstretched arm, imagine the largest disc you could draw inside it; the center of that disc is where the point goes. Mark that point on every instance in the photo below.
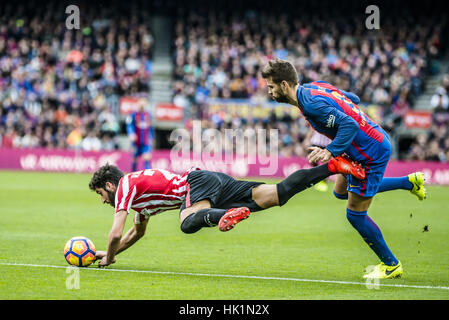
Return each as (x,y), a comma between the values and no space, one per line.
(136,232)
(114,238)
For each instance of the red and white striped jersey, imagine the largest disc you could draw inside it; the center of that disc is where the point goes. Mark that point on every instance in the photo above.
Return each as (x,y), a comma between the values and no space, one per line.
(151,191)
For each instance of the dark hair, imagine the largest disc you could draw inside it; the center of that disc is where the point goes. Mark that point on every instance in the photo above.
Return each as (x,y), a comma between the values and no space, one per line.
(106,173)
(279,70)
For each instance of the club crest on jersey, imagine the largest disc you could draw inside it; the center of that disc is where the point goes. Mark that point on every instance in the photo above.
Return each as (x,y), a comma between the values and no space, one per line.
(330,121)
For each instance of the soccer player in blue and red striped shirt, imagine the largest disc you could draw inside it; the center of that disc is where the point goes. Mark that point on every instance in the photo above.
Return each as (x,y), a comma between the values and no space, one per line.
(141,133)
(334,113)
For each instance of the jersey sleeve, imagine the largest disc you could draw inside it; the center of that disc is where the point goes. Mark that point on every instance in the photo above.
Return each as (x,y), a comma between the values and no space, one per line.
(327,115)
(125,195)
(351,96)
(347,130)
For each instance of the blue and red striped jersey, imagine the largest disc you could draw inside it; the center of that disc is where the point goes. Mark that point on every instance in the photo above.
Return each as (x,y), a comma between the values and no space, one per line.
(139,123)
(334,113)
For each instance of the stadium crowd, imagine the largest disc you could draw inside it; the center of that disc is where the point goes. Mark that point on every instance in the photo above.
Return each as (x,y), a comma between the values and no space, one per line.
(58,87)
(219,55)
(434,144)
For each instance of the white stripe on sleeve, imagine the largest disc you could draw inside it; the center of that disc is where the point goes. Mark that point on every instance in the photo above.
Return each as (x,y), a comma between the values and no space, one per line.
(125,190)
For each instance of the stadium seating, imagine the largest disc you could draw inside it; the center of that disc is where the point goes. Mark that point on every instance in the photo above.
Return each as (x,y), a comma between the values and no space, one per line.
(219,55)
(59,88)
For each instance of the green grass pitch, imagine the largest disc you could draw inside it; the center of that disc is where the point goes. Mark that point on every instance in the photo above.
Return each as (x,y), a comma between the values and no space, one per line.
(304,250)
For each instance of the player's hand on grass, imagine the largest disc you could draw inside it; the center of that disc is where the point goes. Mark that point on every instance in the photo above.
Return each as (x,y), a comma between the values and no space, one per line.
(104,262)
(102,257)
(318,154)
(99,255)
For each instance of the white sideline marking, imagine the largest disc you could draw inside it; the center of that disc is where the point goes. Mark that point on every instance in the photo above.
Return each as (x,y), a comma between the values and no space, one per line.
(231,276)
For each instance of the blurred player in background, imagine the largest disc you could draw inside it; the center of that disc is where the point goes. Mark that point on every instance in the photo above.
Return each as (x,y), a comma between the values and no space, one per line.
(141,133)
(205,198)
(335,113)
(315,139)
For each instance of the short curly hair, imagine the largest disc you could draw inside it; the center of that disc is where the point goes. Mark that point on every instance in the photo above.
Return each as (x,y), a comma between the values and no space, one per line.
(106,173)
(279,70)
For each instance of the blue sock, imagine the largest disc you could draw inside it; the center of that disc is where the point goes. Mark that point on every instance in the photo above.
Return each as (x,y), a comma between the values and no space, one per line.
(395,183)
(370,232)
(134,165)
(147,164)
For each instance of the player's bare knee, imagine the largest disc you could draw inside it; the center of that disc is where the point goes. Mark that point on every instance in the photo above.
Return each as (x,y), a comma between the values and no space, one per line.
(357,202)
(340,184)
(203,204)
(265,196)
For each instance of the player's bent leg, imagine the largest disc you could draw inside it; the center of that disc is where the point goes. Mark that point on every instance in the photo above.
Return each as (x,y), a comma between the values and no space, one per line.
(202,204)
(357,202)
(203,218)
(199,216)
(204,190)
(305,178)
(414,182)
(299,181)
(340,188)
(356,214)
(265,195)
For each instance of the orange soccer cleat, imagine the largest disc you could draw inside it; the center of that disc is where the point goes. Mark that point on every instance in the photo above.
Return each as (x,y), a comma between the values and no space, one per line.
(232,217)
(344,165)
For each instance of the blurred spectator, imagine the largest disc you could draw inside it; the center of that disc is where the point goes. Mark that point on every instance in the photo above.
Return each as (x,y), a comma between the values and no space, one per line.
(91,142)
(440,100)
(432,146)
(401,106)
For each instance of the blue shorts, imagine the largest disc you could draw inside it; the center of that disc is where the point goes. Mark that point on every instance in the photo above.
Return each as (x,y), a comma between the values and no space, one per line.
(367,187)
(375,170)
(370,185)
(142,149)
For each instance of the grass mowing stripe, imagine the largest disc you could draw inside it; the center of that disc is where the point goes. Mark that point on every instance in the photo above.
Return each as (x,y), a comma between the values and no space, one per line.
(235,276)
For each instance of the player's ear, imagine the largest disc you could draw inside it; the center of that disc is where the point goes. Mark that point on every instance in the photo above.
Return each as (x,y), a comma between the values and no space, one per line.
(284,86)
(109,186)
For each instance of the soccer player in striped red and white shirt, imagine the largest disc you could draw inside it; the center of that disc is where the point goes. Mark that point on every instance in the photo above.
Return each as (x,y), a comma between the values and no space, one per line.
(149,196)
(205,198)
(147,192)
